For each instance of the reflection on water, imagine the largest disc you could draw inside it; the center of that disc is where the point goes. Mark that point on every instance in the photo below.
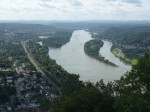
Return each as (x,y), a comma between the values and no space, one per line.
(72,58)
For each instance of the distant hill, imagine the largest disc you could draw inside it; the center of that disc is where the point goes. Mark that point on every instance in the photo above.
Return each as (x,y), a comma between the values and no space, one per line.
(120,32)
(18,27)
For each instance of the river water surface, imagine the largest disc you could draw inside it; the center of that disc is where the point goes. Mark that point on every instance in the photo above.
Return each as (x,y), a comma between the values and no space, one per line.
(72,58)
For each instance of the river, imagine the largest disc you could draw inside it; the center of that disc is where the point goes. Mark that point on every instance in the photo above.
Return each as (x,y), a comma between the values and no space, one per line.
(72,58)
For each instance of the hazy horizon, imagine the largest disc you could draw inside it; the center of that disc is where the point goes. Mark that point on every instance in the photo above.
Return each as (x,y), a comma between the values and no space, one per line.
(75,10)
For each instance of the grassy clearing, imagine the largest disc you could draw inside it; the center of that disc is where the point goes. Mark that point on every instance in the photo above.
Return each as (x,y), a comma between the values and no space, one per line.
(134,61)
(118,53)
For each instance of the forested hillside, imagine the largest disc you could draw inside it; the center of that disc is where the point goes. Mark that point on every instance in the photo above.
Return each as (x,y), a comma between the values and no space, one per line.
(57,39)
(132,41)
(122,31)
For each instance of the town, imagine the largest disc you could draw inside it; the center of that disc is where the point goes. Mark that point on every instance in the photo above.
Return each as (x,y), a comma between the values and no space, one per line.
(21,86)
(27,86)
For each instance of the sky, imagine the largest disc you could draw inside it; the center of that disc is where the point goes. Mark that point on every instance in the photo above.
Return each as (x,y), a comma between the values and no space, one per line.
(74,9)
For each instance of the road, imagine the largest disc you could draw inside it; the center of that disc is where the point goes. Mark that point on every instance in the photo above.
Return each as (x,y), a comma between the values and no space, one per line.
(33,61)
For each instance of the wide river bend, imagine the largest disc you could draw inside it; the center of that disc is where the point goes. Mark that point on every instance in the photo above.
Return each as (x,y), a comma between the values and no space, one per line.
(72,58)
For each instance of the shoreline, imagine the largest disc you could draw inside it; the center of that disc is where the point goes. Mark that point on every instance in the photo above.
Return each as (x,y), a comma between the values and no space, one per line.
(92,48)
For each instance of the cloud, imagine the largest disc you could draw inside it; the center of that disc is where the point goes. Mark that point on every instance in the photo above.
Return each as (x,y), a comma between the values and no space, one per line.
(136,2)
(76,3)
(75,9)
(45,0)
(132,1)
(45,5)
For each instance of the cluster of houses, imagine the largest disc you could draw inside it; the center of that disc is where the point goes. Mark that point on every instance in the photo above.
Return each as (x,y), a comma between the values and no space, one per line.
(29,86)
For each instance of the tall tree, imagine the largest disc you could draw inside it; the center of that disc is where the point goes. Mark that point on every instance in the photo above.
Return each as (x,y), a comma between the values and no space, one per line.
(133,89)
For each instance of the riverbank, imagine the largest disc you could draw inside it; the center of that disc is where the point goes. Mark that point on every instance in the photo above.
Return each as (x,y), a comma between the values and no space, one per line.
(118,53)
(92,47)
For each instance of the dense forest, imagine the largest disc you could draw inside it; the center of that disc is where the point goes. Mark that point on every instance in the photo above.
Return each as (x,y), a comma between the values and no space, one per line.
(92,48)
(57,39)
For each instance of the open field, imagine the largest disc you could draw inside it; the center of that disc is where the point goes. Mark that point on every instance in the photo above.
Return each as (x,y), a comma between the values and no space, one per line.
(118,53)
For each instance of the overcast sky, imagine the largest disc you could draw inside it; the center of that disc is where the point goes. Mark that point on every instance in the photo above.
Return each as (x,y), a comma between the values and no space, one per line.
(74,9)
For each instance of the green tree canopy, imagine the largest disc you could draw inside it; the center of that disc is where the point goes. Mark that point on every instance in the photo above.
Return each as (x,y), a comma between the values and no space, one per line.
(88,99)
(133,89)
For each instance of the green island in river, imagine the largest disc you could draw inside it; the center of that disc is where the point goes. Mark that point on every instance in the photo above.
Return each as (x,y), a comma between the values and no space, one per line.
(92,48)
